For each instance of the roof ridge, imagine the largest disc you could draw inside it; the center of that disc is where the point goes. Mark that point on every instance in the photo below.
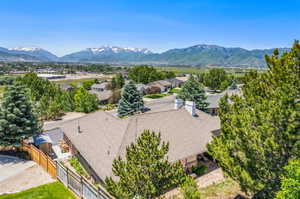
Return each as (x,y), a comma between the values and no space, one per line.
(123,137)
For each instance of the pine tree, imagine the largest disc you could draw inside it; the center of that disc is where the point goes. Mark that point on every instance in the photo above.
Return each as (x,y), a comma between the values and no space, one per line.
(192,90)
(131,101)
(145,172)
(18,119)
(260,131)
(290,181)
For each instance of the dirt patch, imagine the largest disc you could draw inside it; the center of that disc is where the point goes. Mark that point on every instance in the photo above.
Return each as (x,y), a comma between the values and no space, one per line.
(31,177)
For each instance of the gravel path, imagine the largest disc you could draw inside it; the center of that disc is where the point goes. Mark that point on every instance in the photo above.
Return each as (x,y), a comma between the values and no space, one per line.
(31,177)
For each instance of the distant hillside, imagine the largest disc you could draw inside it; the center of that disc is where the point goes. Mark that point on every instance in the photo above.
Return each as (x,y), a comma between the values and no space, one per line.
(26,54)
(198,55)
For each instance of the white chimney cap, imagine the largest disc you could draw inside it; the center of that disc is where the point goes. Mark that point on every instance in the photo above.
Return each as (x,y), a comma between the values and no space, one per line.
(190,106)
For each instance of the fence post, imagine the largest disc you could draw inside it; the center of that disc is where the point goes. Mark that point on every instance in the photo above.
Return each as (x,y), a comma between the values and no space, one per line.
(67,177)
(81,182)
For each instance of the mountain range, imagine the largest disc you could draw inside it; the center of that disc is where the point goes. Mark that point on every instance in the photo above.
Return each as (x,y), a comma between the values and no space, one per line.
(198,55)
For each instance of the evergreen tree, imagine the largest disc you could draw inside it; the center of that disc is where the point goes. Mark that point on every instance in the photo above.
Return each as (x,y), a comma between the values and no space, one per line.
(131,101)
(290,181)
(85,101)
(145,172)
(260,131)
(192,90)
(189,189)
(18,119)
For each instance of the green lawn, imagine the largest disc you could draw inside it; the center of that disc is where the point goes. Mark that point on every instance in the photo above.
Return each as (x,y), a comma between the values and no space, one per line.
(77,81)
(156,96)
(54,190)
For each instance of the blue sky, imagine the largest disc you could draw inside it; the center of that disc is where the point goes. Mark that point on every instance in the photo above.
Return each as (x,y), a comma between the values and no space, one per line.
(64,26)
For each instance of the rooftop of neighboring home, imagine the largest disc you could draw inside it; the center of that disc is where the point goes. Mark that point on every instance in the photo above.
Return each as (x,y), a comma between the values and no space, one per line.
(102,85)
(103,136)
(103,95)
(214,99)
(160,83)
(66,87)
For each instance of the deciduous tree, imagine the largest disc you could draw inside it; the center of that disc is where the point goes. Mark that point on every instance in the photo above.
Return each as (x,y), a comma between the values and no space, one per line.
(85,101)
(216,79)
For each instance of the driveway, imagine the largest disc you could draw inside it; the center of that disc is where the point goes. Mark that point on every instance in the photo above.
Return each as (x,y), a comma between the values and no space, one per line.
(11,166)
(17,174)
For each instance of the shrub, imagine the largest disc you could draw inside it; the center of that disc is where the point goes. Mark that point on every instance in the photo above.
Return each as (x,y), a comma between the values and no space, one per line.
(200,170)
(156,96)
(77,166)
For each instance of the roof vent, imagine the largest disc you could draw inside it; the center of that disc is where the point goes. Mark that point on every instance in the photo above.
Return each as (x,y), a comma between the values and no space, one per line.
(190,107)
(78,128)
(178,103)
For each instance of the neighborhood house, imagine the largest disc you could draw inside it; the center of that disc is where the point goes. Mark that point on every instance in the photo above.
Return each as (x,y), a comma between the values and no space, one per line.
(98,138)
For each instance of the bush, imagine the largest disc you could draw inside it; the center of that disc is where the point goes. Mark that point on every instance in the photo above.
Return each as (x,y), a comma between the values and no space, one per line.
(156,96)
(109,107)
(200,170)
(77,166)
(174,90)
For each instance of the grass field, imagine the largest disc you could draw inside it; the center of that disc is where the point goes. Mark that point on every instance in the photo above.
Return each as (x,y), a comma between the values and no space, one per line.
(195,70)
(54,190)
(75,81)
(1,91)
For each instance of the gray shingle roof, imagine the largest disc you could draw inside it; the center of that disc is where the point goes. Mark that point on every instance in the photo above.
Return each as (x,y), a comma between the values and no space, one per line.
(104,136)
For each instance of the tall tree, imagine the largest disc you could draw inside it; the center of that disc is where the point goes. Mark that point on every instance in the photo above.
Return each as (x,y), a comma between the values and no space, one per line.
(260,131)
(290,181)
(216,79)
(146,74)
(131,101)
(118,81)
(85,101)
(145,172)
(192,90)
(18,119)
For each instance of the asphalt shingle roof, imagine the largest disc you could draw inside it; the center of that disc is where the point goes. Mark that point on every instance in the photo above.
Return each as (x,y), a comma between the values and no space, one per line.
(104,137)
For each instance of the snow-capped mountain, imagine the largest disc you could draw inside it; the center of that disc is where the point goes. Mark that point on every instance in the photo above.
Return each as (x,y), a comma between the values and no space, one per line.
(108,54)
(197,55)
(39,53)
(115,49)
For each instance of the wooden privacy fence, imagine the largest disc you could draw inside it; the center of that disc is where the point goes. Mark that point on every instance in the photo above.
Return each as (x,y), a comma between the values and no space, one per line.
(73,181)
(42,159)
